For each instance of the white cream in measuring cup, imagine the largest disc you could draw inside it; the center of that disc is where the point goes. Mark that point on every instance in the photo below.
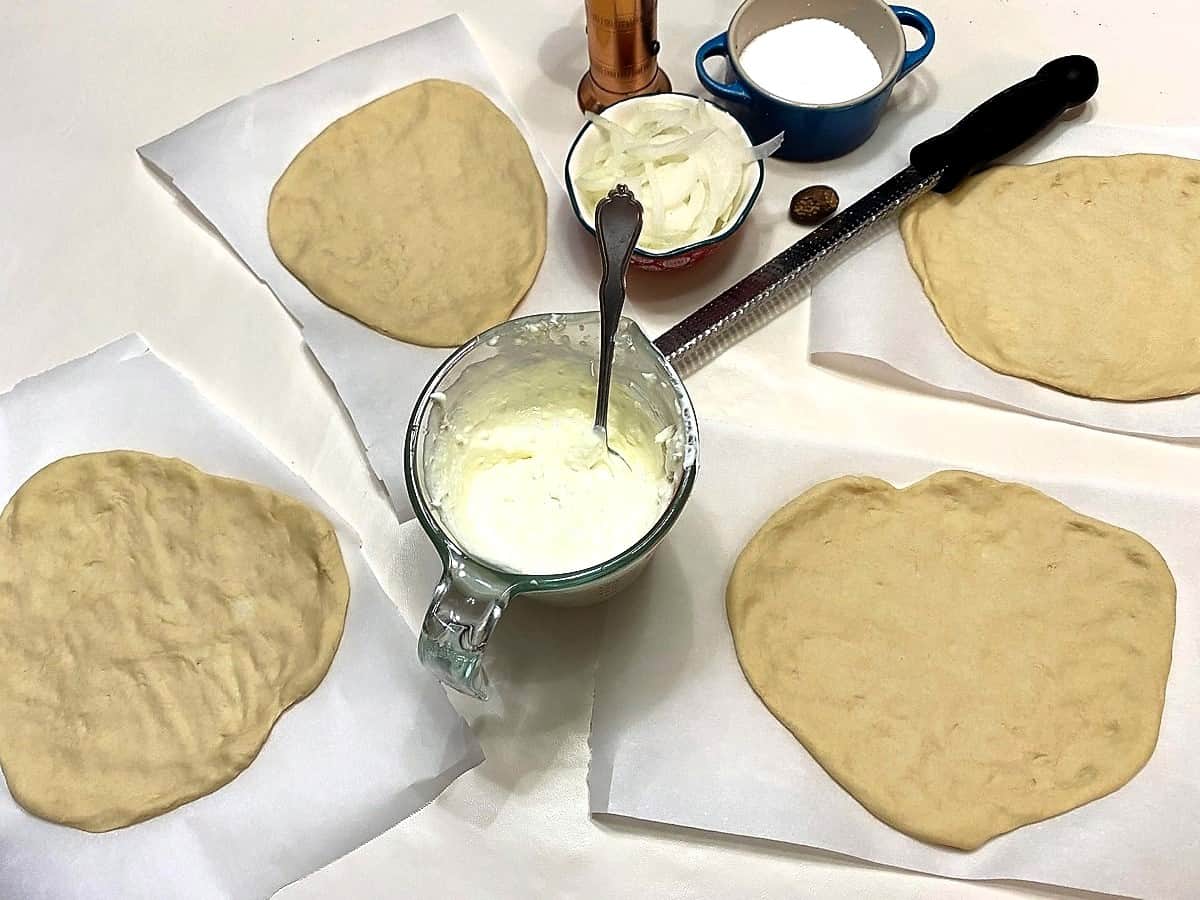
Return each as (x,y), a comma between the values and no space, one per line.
(519,477)
(519,497)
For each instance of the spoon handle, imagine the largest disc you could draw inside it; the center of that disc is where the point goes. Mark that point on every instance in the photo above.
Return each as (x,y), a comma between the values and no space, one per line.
(618,224)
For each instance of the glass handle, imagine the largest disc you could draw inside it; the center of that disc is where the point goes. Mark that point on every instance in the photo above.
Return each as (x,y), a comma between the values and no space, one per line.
(455,633)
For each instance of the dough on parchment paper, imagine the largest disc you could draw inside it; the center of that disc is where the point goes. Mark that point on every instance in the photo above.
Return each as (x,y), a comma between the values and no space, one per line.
(155,621)
(964,656)
(1081,273)
(421,214)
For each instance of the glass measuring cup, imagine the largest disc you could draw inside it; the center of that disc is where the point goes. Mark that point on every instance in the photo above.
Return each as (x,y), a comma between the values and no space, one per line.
(472,594)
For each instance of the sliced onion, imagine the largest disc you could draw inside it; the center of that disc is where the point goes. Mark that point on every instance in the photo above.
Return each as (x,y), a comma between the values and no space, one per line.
(766,148)
(609,127)
(684,161)
(653,151)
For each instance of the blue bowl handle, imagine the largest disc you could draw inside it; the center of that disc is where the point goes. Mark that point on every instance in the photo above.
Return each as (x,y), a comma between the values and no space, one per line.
(719,46)
(912,58)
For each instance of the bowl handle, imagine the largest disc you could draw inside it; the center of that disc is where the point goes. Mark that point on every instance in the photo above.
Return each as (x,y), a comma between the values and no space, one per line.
(919,21)
(719,46)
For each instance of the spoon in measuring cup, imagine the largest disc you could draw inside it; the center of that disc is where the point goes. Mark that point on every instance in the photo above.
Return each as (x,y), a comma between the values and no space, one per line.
(618,224)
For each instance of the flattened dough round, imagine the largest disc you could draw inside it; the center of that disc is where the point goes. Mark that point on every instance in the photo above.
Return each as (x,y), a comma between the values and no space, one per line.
(1081,273)
(421,214)
(155,621)
(964,656)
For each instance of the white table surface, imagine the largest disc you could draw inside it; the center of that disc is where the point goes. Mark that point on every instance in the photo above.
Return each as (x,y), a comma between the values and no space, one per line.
(92,246)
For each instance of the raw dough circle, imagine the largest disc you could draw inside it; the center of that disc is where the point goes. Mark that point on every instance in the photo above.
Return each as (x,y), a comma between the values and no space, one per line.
(155,621)
(964,656)
(421,214)
(1081,273)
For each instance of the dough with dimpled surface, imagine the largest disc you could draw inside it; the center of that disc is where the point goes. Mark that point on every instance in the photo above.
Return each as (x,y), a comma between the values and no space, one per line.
(155,621)
(964,656)
(421,214)
(1080,273)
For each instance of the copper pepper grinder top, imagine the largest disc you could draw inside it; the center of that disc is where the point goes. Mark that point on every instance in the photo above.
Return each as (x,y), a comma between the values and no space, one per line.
(622,38)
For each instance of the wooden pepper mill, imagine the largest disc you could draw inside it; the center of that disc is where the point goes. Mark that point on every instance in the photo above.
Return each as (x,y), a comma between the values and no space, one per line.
(622,39)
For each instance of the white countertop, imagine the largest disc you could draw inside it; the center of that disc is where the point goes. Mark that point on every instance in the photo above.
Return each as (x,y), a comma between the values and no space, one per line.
(92,246)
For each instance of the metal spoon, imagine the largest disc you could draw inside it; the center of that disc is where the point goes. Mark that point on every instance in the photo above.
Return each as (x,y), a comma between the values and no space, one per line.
(618,224)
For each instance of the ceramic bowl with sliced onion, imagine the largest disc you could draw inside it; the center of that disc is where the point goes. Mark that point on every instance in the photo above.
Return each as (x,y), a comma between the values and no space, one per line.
(689,163)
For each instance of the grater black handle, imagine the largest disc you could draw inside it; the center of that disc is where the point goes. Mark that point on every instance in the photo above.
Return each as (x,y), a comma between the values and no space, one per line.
(1006,121)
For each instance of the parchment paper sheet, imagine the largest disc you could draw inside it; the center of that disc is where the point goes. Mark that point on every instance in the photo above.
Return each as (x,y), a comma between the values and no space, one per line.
(870,316)
(678,735)
(375,742)
(227,161)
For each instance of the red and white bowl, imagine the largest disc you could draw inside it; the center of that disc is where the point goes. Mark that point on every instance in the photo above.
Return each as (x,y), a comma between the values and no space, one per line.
(678,257)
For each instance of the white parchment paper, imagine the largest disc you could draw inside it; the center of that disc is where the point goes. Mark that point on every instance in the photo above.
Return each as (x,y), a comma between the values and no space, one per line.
(227,161)
(375,742)
(870,315)
(678,735)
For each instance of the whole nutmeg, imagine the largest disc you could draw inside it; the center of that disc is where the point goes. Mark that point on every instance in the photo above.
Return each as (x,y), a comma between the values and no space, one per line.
(813,204)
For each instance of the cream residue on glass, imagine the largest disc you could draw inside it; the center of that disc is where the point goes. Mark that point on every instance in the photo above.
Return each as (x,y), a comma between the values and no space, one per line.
(522,481)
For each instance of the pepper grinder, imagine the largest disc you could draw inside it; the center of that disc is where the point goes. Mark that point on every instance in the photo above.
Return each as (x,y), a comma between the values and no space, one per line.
(622,39)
